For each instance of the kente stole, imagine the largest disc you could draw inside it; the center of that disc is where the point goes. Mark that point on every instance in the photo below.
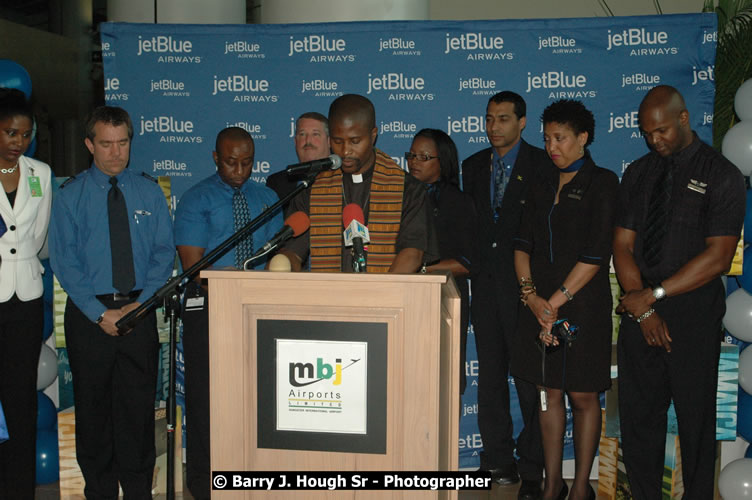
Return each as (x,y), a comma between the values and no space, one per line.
(384,214)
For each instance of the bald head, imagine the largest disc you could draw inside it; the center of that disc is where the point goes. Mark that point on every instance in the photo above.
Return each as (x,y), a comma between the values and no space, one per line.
(354,108)
(235,134)
(664,120)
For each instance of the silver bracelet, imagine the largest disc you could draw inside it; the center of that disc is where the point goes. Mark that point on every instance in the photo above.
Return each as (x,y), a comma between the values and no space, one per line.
(645,315)
(566,293)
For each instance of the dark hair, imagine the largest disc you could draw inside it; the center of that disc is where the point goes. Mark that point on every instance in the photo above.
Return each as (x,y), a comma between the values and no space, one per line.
(232,134)
(355,107)
(111,115)
(573,114)
(313,115)
(520,108)
(447,151)
(13,103)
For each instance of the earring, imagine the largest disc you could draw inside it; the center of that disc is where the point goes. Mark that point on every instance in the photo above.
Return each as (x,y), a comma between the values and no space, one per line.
(582,150)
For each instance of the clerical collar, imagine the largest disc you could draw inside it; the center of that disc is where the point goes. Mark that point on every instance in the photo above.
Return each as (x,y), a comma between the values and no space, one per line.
(357,178)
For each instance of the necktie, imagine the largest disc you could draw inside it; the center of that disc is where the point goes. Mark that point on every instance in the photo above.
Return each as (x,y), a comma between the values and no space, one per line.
(500,184)
(659,210)
(241,216)
(123,277)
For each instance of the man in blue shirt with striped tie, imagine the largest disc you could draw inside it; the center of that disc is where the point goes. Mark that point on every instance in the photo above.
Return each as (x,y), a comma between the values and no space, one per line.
(209,213)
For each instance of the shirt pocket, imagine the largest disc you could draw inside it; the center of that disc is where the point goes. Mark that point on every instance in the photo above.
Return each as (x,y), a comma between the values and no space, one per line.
(689,208)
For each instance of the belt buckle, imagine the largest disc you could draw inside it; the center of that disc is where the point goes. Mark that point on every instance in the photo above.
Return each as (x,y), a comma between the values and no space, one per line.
(119,296)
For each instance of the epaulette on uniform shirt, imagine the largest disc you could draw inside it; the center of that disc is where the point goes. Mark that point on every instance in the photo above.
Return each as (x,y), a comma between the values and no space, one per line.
(150,177)
(67,181)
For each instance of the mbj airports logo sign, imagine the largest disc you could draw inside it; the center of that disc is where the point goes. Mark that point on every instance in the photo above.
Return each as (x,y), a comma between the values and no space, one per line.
(321,386)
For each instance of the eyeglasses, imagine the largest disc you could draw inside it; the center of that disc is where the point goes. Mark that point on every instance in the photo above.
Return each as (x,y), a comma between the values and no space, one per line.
(410,156)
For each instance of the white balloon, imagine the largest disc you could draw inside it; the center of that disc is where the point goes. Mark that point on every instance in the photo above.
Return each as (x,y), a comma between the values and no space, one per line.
(47,367)
(745,370)
(738,317)
(743,101)
(735,480)
(737,146)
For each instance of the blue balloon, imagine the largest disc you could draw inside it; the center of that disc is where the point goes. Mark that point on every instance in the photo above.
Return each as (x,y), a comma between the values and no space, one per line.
(744,415)
(15,76)
(46,412)
(48,459)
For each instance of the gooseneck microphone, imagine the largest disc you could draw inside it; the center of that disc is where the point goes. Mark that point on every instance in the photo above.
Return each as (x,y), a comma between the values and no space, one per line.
(295,225)
(356,234)
(333,162)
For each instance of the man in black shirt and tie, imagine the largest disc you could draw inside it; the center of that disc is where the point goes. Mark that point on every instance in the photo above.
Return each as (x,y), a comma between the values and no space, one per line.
(679,215)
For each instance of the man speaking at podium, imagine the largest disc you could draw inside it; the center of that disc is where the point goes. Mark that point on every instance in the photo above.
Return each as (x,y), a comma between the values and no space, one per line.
(394,204)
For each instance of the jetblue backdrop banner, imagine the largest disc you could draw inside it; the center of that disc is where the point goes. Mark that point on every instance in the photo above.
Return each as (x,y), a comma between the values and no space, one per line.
(182,84)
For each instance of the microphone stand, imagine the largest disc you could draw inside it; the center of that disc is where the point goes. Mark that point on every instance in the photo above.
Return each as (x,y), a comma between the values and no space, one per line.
(169,296)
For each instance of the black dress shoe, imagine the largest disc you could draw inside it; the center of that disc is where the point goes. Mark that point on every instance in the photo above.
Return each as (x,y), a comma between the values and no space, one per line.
(505,474)
(530,490)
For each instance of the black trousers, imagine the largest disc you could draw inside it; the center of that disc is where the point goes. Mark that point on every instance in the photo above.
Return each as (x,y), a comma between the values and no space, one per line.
(21,328)
(493,320)
(114,389)
(649,378)
(196,357)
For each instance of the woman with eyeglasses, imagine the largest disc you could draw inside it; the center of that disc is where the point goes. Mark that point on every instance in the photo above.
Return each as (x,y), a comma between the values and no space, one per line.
(561,257)
(24,215)
(432,159)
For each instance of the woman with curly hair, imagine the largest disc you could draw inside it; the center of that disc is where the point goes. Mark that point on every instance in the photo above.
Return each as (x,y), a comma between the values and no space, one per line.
(561,258)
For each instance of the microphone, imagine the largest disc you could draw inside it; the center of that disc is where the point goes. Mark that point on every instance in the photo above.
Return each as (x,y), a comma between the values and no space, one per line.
(356,233)
(295,225)
(333,162)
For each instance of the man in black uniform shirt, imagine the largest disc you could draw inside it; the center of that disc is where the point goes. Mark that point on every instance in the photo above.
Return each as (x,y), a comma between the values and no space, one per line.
(402,234)
(679,215)
(498,178)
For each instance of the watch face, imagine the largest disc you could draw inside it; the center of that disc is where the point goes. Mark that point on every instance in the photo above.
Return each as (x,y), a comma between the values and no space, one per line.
(659,292)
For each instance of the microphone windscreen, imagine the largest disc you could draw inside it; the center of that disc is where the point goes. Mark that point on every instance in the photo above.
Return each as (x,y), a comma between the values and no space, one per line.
(299,223)
(336,161)
(350,212)
(280,263)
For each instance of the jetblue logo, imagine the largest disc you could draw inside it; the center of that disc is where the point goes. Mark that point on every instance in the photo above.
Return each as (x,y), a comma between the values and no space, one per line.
(562,85)
(478,46)
(244,49)
(254,89)
(162,44)
(321,88)
(398,84)
(559,45)
(399,129)
(169,129)
(321,48)
(628,120)
(478,85)
(640,81)
(641,42)
(473,125)
(168,88)
(173,168)
(398,46)
(707,37)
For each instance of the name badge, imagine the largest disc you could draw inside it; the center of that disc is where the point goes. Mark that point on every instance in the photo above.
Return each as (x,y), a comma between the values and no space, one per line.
(35,186)
(194,303)
(697,186)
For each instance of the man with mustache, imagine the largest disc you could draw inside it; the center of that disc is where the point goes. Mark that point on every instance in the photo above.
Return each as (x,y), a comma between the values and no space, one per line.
(402,235)
(311,143)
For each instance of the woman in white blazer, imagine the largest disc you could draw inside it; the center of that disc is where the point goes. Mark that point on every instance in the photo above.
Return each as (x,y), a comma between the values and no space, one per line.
(24,212)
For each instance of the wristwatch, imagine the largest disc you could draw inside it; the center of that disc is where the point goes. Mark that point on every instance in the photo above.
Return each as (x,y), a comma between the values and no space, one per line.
(659,293)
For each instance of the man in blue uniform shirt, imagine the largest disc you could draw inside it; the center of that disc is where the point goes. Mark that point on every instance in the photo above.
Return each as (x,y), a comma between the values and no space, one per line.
(111,248)
(209,213)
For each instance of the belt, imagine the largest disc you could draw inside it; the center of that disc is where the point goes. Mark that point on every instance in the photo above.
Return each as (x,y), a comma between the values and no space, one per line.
(119,296)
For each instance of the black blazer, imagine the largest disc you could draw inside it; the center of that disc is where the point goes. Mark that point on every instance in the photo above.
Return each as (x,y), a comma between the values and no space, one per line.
(494,256)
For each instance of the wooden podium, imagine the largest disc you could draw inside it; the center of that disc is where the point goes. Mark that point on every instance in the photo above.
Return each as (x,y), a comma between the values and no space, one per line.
(409,325)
